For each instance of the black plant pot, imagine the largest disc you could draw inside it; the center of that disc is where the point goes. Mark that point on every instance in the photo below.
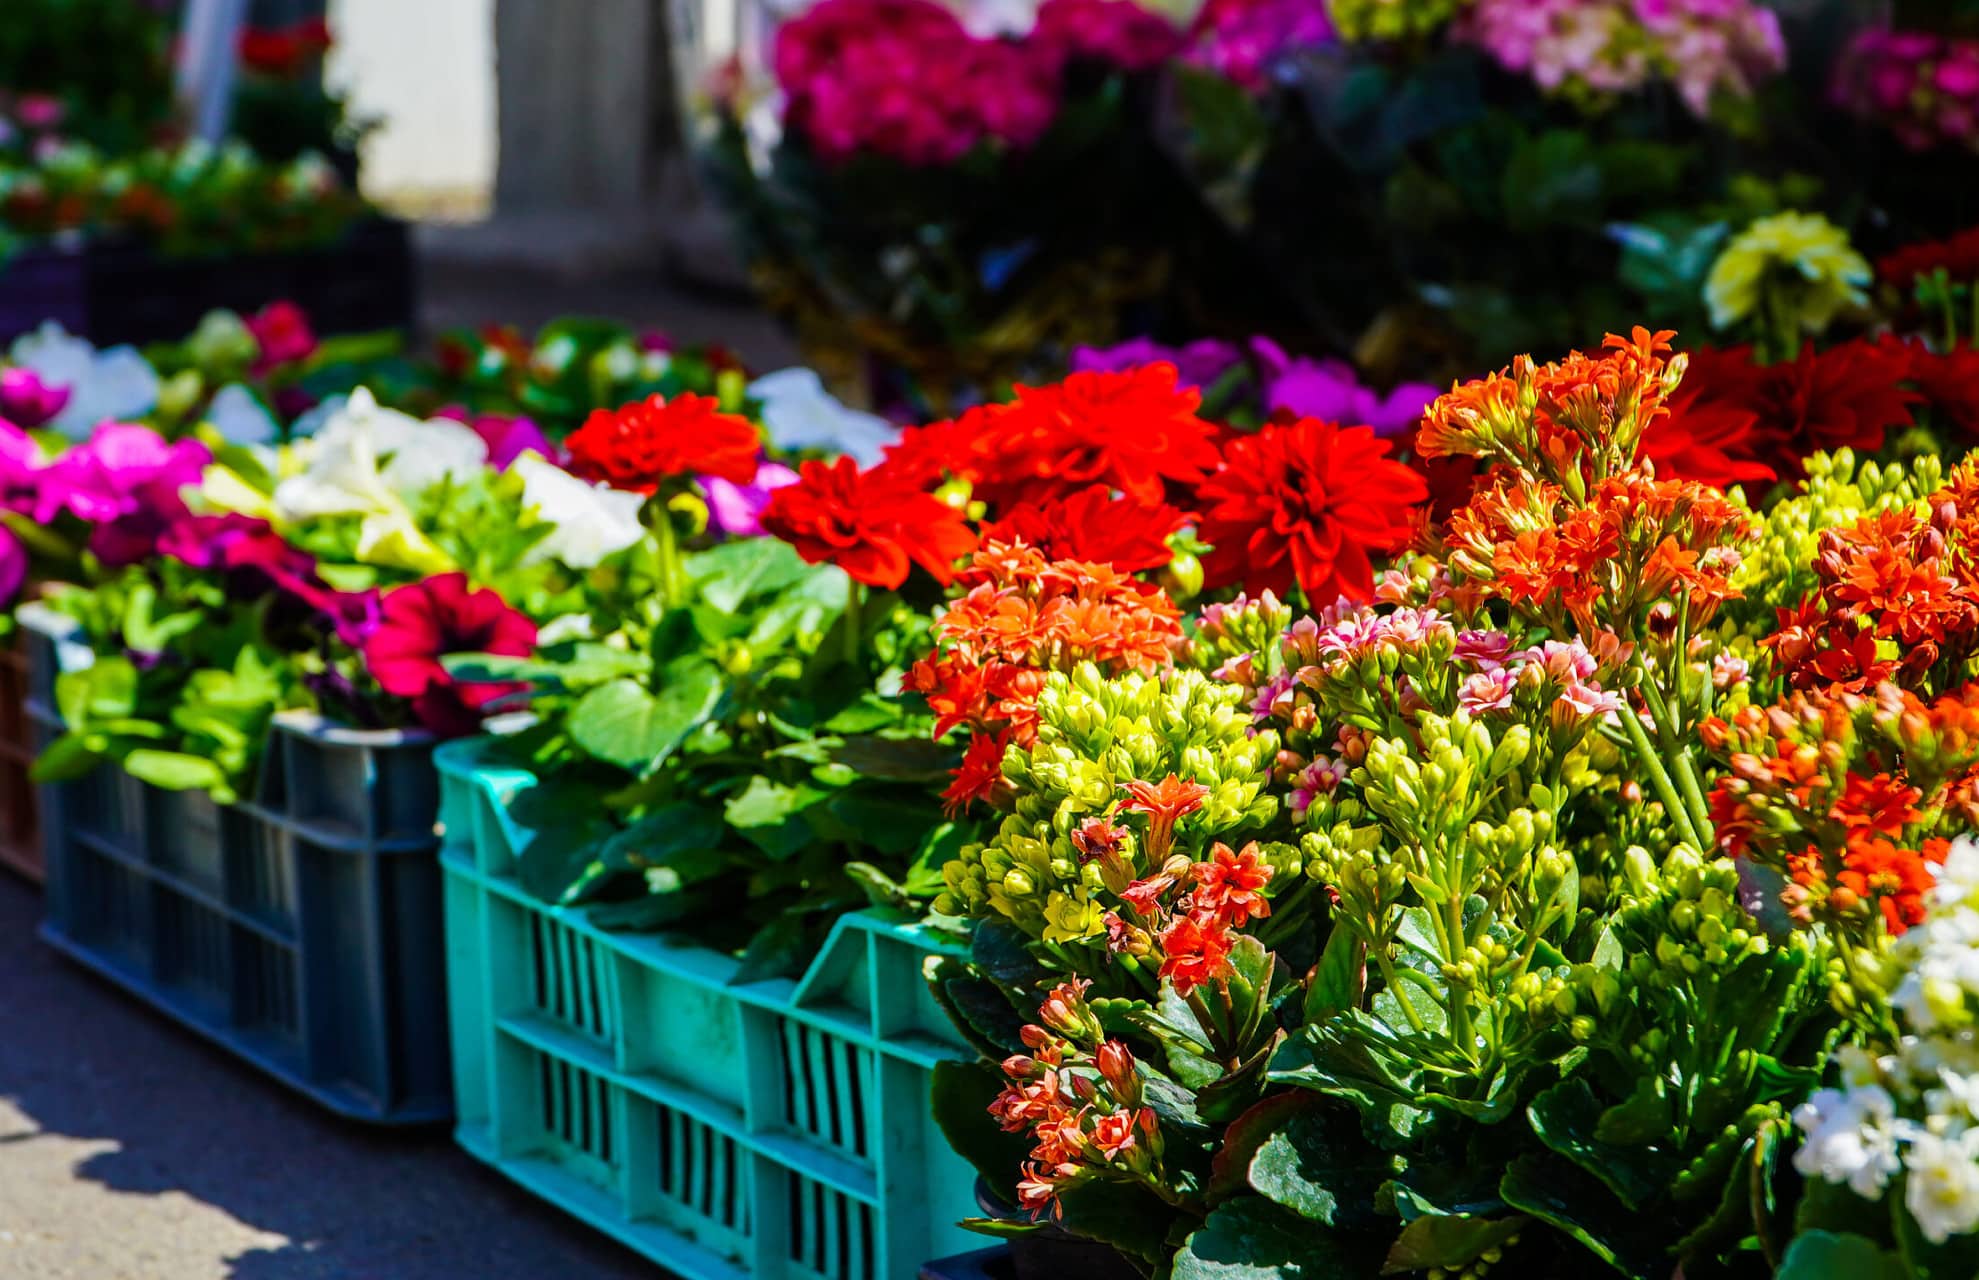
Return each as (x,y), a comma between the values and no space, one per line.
(1048,1253)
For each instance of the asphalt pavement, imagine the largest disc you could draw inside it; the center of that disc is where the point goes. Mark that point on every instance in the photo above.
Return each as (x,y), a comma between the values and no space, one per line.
(133,1150)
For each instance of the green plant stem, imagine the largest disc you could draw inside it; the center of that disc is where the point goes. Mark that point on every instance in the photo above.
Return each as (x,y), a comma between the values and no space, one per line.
(854,623)
(1387,968)
(1659,777)
(1677,758)
(670,567)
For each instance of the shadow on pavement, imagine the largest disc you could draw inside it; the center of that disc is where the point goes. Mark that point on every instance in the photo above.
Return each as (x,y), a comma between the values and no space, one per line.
(88,1065)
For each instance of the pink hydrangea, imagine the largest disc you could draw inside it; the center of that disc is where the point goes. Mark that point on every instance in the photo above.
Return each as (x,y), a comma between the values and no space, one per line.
(904,80)
(1703,47)
(1924,88)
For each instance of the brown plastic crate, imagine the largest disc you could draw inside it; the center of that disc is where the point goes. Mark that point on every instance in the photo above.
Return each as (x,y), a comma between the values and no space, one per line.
(20,823)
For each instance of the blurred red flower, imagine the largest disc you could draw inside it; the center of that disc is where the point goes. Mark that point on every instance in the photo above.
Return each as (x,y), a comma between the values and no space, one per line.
(868,523)
(639,446)
(423,621)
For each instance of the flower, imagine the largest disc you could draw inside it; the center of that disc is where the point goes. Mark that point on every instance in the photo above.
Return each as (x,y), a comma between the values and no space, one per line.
(1807,256)
(640,446)
(1198,364)
(1194,952)
(1847,396)
(1166,803)
(13,566)
(1119,33)
(799,414)
(27,401)
(117,384)
(1329,390)
(341,473)
(1136,431)
(282,336)
(1941,1188)
(1306,502)
(867,524)
(1230,885)
(507,436)
(127,481)
(1850,1138)
(590,522)
(1241,39)
(1095,526)
(423,621)
(737,509)
(240,417)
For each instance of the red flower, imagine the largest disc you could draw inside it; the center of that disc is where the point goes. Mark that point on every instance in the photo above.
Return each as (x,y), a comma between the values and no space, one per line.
(1959,256)
(1093,526)
(1230,886)
(1166,803)
(1717,442)
(1306,502)
(282,332)
(1194,953)
(867,523)
(1135,431)
(980,775)
(1849,396)
(643,444)
(424,621)
(1949,382)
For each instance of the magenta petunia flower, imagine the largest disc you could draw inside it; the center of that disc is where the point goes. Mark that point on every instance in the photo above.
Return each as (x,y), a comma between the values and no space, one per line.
(1330,391)
(282,331)
(508,436)
(422,622)
(735,508)
(256,559)
(27,401)
(125,480)
(1199,363)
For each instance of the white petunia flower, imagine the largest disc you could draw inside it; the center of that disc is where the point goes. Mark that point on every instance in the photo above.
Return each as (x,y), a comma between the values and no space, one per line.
(592,521)
(239,417)
(1851,1137)
(113,385)
(1942,1190)
(800,414)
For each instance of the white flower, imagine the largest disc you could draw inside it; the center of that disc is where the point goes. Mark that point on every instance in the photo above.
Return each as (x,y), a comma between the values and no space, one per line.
(115,385)
(1958,875)
(342,474)
(592,521)
(1942,955)
(318,416)
(239,417)
(1851,1137)
(801,414)
(1942,1191)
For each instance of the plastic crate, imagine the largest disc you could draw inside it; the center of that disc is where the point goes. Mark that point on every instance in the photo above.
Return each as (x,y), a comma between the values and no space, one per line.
(776,1129)
(115,290)
(20,825)
(299,930)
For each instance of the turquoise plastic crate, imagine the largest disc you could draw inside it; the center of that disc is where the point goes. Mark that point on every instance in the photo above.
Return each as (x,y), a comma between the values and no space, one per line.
(767,1129)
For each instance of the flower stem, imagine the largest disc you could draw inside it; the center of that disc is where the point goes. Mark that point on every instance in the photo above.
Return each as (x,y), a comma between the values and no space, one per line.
(854,622)
(669,542)
(1659,777)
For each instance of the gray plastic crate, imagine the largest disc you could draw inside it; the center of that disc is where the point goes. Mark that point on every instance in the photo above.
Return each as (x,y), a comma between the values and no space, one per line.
(301,930)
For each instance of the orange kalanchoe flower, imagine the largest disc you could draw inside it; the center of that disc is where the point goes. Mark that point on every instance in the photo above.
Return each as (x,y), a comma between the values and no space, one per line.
(1020,617)
(1166,803)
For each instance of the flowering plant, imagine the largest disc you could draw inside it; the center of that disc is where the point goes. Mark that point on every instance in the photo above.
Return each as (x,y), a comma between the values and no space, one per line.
(1511,914)
(962,200)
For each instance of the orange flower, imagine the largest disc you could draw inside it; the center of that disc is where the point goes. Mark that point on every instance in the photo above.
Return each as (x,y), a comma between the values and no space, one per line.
(1194,953)
(1230,886)
(1166,803)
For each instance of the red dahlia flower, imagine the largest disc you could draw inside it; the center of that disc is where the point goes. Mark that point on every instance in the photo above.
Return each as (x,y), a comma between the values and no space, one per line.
(1135,431)
(867,523)
(424,621)
(1306,502)
(1851,395)
(1093,526)
(640,446)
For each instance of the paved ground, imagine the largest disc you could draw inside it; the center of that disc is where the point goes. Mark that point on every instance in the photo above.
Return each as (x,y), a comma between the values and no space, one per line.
(130,1150)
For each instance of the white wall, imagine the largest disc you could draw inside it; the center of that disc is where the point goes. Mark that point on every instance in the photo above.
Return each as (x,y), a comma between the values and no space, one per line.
(427,67)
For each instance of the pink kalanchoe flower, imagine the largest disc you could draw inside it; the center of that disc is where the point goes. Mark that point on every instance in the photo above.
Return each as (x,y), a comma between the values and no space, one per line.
(735,509)
(282,331)
(1582,701)
(422,622)
(1484,650)
(1321,777)
(1728,671)
(1273,698)
(1563,662)
(1490,690)
(27,401)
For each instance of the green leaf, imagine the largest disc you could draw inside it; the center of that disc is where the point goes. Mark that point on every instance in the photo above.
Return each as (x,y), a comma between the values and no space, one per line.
(769,815)
(1339,978)
(567,829)
(1567,1118)
(742,570)
(175,771)
(623,724)
(1558,1192)
(895,759)
(672,847)
(1003,952)
(1644,1118)
(1824,1255)
(1453,1242)
(1319,1166)
(1130,1218)
(959,1094)
(1254,1239)
(884,819)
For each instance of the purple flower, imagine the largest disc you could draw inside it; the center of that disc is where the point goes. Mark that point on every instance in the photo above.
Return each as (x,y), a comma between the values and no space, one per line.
(1330,391)
(508,436)
(13,565)
(1200,363)
(28,401)
(735,508)
(1240,39)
